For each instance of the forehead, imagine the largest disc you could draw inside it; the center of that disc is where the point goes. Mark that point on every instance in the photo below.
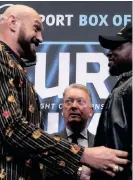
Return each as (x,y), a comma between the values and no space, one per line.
(76,93)
(34,18)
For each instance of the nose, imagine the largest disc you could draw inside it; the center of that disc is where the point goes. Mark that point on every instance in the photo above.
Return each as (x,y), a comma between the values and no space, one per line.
(109,53)
(74,104)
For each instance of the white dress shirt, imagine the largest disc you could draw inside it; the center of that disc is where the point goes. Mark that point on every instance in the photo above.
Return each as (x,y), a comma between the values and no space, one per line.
(83,140)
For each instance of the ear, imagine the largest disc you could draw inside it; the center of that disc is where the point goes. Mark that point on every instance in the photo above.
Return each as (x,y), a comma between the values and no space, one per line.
(91,111)
(12,23)
(62,113)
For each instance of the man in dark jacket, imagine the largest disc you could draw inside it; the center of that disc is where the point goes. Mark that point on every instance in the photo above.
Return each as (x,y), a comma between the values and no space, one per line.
(115,125)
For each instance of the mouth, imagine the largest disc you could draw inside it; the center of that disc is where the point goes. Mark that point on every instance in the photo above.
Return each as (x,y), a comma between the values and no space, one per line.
(34,47)
(111,62)
(34,44)
(74,115)
(35,41)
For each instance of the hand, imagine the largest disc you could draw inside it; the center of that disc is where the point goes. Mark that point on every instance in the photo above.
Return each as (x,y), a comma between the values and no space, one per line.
(104,159)
(86,173)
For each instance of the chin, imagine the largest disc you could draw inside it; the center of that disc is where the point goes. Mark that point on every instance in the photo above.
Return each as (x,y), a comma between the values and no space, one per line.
(31,57)
(114,71)
(76,126)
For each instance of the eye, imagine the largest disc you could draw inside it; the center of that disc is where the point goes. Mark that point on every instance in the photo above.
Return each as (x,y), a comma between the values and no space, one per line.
(68,100)
(118,47)
(35,29)
(81,102)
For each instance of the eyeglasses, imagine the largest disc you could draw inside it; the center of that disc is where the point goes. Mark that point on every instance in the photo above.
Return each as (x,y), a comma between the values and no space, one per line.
(70,101)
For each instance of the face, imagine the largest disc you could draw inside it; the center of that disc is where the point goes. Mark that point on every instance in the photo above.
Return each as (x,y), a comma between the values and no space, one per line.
(30,36)
(120,59)
(77,108)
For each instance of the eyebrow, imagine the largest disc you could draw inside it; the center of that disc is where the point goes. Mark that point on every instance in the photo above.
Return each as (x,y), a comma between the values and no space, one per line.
(75,98)
(36,21)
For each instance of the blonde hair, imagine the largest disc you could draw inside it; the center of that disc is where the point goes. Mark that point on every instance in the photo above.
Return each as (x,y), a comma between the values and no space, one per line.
(78,86)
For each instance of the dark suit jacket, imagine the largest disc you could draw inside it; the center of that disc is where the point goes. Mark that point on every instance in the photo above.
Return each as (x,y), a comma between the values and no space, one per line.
(63,134)
(24,147)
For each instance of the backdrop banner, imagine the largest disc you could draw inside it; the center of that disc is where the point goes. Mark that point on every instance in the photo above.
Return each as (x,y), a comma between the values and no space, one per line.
(70,53)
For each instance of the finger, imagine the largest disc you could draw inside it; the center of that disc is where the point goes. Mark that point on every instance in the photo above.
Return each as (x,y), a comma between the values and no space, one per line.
(110,173)
(84,177)
(121,168)
(121,153)
(121,161)
(112,167)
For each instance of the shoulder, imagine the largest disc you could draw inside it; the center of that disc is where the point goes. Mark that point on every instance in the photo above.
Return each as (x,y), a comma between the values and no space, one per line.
(6,59)
(61,134)
(58,133)
(3,54)
(127,88)
(124,89)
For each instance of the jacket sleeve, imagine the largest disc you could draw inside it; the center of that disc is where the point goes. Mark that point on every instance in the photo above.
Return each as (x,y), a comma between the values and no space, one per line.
(55,153)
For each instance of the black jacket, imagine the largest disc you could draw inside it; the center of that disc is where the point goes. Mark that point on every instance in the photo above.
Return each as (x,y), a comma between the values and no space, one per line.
(115,124)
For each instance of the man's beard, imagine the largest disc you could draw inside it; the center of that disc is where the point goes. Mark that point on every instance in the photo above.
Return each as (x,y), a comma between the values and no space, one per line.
(77,126)
(116,70)
(25,44)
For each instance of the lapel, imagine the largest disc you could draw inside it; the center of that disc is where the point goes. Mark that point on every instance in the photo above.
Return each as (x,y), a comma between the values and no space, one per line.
(90,139)
(62,134)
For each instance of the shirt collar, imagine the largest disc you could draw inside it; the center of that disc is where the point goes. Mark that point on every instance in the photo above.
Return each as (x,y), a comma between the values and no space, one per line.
(69,132)
(83,132)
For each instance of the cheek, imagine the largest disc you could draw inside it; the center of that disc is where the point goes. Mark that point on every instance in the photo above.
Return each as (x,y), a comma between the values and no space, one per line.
(86,112)
(128,56)
(65,112)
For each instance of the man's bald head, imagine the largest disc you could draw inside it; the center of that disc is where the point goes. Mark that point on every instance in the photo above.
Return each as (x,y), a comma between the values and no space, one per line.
(21,28)
(20,10)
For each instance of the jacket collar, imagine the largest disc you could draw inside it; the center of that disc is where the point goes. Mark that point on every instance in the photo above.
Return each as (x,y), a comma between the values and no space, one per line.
(11,52)
(22,62)
(82,133)
(125,75)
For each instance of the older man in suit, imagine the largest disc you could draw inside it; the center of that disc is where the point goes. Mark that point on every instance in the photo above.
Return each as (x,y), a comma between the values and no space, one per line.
(77,113)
